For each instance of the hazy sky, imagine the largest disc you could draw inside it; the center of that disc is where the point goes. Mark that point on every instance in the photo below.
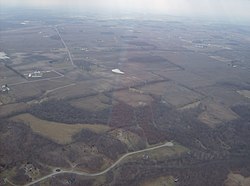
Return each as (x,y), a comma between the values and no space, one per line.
(226,8)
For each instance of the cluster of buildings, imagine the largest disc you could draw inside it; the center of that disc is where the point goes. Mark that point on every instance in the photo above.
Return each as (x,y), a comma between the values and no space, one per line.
(5,88)
(35,74)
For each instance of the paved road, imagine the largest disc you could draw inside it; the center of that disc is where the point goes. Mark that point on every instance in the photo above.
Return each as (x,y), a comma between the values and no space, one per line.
(58,88)
(7,181)
(66,47)
(168,144)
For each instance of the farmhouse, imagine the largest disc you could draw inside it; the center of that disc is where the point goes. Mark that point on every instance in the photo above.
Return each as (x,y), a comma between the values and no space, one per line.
(35,74)
(5,88)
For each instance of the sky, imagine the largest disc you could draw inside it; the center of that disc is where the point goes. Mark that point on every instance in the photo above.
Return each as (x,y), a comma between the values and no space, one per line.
(214,8)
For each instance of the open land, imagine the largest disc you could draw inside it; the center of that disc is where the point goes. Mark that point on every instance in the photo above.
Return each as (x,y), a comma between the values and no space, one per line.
(177,115)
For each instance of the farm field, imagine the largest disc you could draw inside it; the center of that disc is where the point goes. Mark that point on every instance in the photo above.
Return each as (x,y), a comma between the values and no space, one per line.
(59,132)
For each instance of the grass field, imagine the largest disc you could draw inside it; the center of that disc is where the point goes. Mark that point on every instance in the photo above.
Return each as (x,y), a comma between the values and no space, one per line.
(58,132)
(245,93)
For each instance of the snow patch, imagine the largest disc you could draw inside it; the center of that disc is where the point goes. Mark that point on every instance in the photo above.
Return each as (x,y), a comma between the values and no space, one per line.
(117,71)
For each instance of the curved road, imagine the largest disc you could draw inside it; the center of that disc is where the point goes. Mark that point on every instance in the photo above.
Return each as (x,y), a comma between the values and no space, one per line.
(168,144)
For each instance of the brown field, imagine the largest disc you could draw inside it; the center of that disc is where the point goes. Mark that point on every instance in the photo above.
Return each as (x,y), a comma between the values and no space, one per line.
(51,84)
(33,39)
(208,69)
(8,76)
(93,103)
(227,95)
(25,91)
(237,180)
(130,78)
(9,109)
(6,98)
(81,89)
(216,113)
(193,80)
(55,58)
(133,98)
(58,132)
(173,93)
